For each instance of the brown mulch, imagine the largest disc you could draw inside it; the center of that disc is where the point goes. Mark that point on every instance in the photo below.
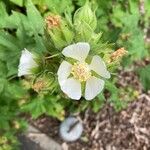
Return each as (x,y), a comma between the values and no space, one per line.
(108,129)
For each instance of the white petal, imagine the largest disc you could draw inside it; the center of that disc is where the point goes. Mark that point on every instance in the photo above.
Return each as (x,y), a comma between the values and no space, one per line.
(93,87)
(27,62)
(72,88)
(78,51)
(99,67)
(64,71)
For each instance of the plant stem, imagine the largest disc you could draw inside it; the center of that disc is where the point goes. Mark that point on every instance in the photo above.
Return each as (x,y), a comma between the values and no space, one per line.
(52,56)
(12,77)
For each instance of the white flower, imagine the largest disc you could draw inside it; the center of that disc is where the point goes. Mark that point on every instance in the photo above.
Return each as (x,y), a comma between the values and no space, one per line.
(71,76)
(27,63)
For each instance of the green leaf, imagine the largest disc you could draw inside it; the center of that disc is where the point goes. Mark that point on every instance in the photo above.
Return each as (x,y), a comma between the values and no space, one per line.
(147,7)
(3,68)
(134,6)
(117,15)
(35,18)
(118,103)
(144,74)
(98,103)
(35,107)
(11,21)
(15,90)
(59,6)
(8,41)
(87,15)
(3,12)
(2,85)
(83,32)
(18,2)
(40,47)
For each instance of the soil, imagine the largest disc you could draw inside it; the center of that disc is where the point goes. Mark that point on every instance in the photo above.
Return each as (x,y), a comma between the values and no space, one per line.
(128,129)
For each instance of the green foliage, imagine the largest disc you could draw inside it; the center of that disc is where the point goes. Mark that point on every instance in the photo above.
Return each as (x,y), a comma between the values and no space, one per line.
(114,98)
(34,18)
(49,105)
(97,104)
(85,15)
(121,20)
(11,124)
(17,2)
(22,25)
(144,76)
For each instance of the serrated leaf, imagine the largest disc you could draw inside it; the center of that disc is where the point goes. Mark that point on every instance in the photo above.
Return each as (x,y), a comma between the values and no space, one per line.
(35,18)
(83,32)
(8,41)
(35,106)
(15,90)
(59,6)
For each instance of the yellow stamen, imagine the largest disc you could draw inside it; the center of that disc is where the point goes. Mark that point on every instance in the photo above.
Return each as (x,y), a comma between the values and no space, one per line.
(39,85)
(81,71)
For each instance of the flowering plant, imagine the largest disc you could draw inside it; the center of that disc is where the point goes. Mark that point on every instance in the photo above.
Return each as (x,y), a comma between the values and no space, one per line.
(74,66)
(68,61)
(33,36)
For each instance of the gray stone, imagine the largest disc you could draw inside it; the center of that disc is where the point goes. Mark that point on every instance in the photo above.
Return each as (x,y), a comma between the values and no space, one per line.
(33,139)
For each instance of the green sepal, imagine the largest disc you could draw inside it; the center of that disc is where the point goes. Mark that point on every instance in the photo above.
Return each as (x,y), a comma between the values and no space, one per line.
(85,14)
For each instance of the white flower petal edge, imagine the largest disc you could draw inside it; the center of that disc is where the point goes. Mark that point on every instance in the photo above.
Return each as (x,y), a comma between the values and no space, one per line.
(27,62)
(72,88)
(93,87)
(98,65)
(78,51)
(64,72)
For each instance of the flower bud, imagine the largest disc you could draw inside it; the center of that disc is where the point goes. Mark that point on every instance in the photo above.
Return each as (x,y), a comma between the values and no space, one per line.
(38,86)
(27,63)
(44,83)
(61,35)
(85,14)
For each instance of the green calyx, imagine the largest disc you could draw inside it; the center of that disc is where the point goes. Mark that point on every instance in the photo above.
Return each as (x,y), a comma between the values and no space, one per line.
(85,14)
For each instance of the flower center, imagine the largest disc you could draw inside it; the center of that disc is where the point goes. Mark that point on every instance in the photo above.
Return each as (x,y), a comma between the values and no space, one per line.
(81,71)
